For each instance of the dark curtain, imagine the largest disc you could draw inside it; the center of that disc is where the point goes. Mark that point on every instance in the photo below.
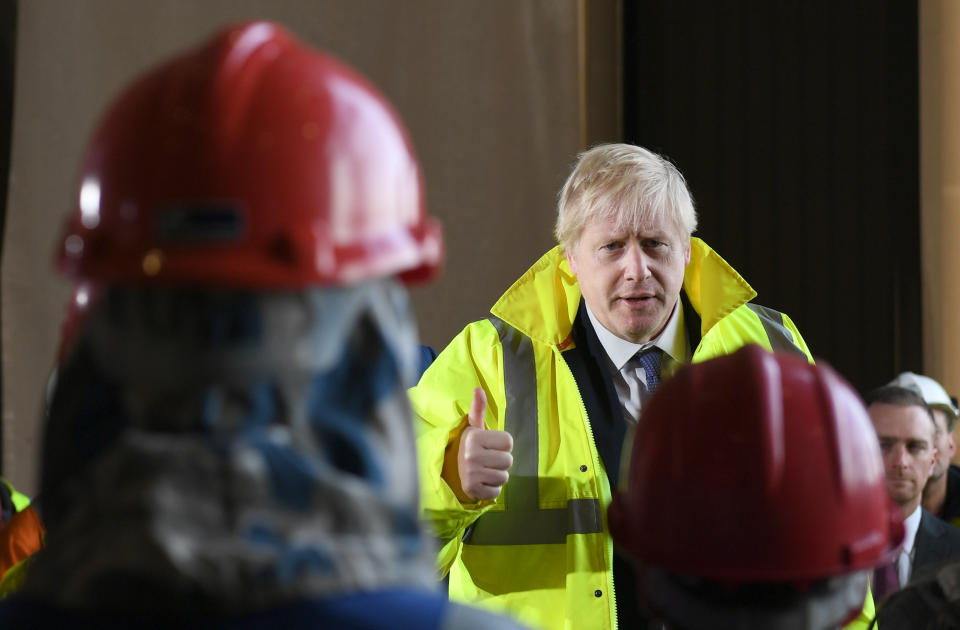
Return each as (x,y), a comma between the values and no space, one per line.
(796,124)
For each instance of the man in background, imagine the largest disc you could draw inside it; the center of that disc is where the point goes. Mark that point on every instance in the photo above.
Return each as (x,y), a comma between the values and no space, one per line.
(229,441)
(941,495)
(907,433)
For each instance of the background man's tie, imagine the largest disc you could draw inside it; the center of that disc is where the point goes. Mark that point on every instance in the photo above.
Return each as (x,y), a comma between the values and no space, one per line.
(885,581)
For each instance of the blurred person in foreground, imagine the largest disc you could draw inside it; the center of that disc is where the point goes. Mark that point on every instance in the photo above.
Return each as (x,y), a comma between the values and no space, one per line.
(783,511)
(229,441)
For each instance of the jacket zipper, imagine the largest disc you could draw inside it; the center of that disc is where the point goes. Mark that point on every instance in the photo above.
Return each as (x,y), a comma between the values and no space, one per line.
(608,542)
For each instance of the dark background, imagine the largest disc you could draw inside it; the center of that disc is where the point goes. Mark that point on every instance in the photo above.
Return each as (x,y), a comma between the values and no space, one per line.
(796,125)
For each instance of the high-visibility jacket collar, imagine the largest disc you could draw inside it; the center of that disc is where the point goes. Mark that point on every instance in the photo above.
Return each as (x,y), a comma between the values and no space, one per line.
(543,302)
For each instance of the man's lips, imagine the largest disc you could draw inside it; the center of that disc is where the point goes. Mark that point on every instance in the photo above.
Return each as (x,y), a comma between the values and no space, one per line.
(637,299)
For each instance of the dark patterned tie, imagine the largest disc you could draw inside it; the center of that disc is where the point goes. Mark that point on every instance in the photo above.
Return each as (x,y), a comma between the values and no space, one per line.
(650,360)
(885,581)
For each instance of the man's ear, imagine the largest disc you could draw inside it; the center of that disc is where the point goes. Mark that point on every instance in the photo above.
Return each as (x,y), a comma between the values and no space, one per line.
(567,251)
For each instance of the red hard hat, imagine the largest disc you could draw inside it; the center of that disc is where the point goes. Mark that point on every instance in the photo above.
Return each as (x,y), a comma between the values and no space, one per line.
(84,295)
(756,467)
(250,162)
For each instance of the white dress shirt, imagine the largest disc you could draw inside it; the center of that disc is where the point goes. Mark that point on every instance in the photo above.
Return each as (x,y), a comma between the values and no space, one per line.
(629,377)
(904,561)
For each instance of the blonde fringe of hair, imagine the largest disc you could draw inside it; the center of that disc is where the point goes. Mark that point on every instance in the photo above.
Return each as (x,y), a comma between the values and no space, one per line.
(633,185)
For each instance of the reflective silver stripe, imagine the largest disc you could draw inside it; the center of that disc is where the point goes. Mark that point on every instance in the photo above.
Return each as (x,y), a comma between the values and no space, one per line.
(521,522)
(520,387)
(779,335)
(516,526)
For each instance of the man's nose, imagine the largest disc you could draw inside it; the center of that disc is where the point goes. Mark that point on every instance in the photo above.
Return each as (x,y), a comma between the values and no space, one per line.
(637,265)
(900,459)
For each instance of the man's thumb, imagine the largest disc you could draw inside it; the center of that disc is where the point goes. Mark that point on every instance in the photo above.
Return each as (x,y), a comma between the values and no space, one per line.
(477,408)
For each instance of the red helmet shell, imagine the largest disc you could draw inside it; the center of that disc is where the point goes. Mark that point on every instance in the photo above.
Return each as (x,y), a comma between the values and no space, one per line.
(251,162)
(756,467)
(84,296)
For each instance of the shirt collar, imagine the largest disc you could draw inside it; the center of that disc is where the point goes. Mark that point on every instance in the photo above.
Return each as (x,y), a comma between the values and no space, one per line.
(910,526)
(672,339)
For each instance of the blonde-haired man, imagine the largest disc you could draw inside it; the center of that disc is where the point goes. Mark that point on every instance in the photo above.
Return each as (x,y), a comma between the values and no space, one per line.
(522,418)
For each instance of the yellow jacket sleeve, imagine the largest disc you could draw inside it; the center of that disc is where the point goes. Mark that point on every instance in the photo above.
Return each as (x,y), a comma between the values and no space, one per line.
(862,622)
(441,402)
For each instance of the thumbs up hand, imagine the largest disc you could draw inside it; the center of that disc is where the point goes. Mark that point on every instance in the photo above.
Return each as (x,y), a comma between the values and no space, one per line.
(484,458)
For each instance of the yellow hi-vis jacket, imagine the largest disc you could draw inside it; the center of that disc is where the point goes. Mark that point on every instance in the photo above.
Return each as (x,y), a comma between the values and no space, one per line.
(542,551)
(20,500)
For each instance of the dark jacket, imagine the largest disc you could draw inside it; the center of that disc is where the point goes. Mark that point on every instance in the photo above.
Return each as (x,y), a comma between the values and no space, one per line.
(936,542)
(950,512)
(930,600)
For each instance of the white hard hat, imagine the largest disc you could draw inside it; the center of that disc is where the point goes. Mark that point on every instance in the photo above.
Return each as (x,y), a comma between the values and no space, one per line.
(932,392)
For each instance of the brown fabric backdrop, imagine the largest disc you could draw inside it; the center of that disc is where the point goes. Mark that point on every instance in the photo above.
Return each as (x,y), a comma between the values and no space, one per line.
(495,94)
